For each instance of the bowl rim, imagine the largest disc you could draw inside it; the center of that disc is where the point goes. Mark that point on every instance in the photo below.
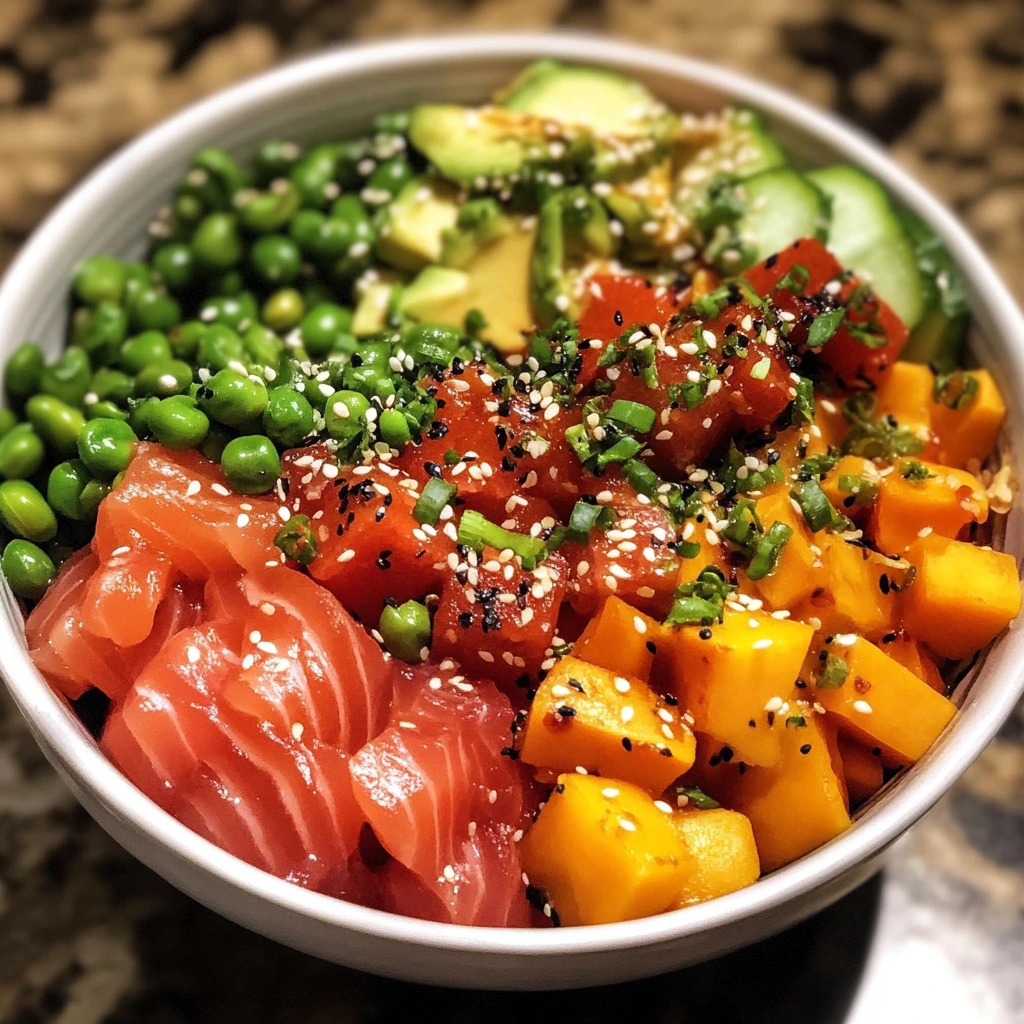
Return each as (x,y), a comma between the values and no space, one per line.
(81,758)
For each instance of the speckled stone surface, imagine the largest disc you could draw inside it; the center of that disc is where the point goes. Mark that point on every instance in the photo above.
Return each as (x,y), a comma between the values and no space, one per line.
(87,935)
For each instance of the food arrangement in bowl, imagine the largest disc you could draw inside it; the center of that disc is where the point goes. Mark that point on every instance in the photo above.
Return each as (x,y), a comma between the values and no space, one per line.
(554,512)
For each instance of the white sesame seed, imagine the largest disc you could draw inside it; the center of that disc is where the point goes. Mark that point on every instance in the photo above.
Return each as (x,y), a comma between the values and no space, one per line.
(862,706)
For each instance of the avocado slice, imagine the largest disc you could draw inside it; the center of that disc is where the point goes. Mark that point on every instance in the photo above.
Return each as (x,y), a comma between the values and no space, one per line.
(417,220)
(602,101)
(465,143)
(478,223)
(376,304)
(496,282)
(640,206)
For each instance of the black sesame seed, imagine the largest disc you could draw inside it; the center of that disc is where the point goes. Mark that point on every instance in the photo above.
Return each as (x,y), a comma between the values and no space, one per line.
(627,743)
(805,749)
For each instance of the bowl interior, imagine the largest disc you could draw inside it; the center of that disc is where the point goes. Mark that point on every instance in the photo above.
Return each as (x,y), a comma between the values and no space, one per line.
(336,95)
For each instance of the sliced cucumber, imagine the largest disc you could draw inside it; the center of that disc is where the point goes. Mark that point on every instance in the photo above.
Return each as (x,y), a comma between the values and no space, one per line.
(867,237)
(939,337)
(782,206)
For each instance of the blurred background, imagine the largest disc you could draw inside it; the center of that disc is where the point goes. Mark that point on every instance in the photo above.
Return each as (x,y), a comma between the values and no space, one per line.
(88,935)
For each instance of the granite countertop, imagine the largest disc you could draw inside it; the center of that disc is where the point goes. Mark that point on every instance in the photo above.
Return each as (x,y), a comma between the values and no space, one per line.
(88,935)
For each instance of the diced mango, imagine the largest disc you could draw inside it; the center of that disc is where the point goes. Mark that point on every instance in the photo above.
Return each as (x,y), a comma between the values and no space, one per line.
(906,393)
(792,445)
(589,717)
(855,504)
(620,639)
(725,674)
(862,769)
(799,804)
(799,568)
(604,851)
(724,853)
(962,596)
(711,553)
(943,503)
(881,702)
(828,418)
(912,655)
(970,432)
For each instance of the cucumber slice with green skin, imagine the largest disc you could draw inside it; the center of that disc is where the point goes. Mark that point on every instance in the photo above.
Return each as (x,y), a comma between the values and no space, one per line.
(782,206)
(939,338)
(867,237)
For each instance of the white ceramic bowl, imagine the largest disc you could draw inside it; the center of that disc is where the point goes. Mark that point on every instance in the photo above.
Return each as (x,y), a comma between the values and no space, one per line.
(335,95)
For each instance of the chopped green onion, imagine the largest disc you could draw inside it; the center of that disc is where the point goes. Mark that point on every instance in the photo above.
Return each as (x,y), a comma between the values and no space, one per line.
(864,491)
(687,548)
(452,457)
(816,466)
(955,390)
(743,527)
(796,721)
(584,517)
(623,449)
(579,441)
(834,674)
(296,540)
(640,477)
(476,532)
(915,471)
(702,601)
(632,416)
(817,509)
(432,500)
(696,797)
(795,280)
(769,549)
(760,369)
(824,326)
(803,403)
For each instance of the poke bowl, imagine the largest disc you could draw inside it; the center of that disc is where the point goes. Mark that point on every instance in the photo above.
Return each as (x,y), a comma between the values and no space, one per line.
(550,535)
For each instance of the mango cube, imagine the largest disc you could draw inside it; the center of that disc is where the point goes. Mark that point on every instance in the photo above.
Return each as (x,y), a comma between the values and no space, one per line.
(724,853)
(962,597)
(799,568)
(961,435)
(603,851)
(620,639)
(862,769)
(590,717)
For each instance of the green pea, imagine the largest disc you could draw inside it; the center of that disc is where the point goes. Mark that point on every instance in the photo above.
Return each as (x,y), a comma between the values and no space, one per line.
(391,176)
(138,278)
(100,331)
(68,378)
(322,325)
(263,347)
(23,370)
(251,464)
(316,292)
(171,377)
(288,418)
(345,344)
(184,339)
(216,441)
(60,550)
(233,399)
(112,385)
(28,568)
(21,452)
(216,243)
(107,446)
(229,284)
(393,123)
(275,159)
(8,421)
(261,212)
(361,235)
(345,414)
(234,311)
(73,491)
(177,422)
(314,174)
(175,263)
(406,631)
(376,353)
(432,343)
(138,414)
(283,310)
(105,410)
(394,428)
(56,422)
(219,348)
(139,352)
(25,513)
(222,170)
(304,229)
(98,279)
(276,259)
(154,310)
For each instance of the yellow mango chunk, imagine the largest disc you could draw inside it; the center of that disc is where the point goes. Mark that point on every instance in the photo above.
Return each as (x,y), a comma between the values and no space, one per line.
(881,702)
(943,503)
(711,553)
(912,655)
(604,851)
(962,597)
(725,674)
(828,418)
(799,567)
(589,717)
(724,853)
(970,432)
(905,392)
(855,504)
(862,769)
(852,596)
(792,445)
(620,639)
(799,804)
